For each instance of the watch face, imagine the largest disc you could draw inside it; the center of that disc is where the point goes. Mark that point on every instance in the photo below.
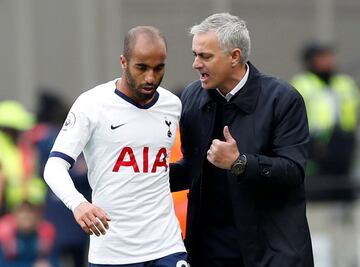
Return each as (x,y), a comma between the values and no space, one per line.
(238,168)
(239,165)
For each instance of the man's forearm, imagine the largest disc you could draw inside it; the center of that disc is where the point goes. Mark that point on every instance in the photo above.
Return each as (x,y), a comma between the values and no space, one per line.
(57,177)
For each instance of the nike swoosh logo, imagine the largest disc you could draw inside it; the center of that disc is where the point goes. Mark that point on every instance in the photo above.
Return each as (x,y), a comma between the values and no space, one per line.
(117,126)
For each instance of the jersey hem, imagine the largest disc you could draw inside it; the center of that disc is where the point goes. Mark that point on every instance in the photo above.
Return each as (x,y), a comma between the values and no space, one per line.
(137,259)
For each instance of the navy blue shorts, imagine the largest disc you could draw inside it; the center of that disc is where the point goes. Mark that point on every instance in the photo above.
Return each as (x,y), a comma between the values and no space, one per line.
(173,260)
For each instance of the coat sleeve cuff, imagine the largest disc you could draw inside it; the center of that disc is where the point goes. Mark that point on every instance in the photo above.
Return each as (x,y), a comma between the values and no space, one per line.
(257,168)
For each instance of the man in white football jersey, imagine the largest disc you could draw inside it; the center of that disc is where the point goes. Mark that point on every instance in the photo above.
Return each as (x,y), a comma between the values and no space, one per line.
(125,128)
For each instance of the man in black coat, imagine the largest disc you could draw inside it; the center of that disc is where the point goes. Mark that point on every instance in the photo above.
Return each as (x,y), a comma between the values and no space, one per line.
(244,142)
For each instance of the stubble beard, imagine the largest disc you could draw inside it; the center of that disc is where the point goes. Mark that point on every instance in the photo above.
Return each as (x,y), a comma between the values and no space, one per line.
(137,90)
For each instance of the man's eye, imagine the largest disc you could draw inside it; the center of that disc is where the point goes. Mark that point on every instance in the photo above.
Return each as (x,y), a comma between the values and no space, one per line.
(159,68)
(203,56)
(141,67)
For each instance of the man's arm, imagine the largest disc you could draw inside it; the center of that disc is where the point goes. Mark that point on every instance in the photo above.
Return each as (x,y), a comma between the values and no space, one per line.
(92,219)
(286,165)
(179,177)
(180,170)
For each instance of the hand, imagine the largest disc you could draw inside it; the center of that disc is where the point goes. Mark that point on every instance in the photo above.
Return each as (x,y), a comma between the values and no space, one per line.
(223,154)
(92,219)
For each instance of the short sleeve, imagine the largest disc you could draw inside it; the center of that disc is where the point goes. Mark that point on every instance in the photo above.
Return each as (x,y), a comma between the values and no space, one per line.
(76,131)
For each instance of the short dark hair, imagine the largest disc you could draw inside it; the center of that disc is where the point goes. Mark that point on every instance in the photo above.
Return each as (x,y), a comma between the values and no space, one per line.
(313,49)
(130,38)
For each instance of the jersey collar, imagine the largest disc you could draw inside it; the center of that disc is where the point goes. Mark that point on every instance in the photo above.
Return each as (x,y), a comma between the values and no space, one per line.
(131,101)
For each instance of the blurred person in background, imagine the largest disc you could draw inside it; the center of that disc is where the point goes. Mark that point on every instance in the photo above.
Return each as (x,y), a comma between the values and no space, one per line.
(18,161)
(332,103)
(244,140)
(26,239)
(71,241)
(50,114)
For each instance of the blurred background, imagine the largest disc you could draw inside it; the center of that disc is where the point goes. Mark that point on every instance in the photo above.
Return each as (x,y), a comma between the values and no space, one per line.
(51,51)
(72,46)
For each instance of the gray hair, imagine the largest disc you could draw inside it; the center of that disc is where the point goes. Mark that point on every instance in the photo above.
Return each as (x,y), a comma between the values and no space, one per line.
(231,31)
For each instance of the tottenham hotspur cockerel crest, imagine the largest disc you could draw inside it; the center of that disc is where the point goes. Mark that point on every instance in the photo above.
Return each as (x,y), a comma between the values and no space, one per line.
(168,123)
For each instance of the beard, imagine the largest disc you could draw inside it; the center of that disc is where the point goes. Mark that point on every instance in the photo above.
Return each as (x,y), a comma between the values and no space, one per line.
(136,89)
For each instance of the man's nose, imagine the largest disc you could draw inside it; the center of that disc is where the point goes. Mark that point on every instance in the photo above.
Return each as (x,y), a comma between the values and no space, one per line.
(150,77)
(197,64)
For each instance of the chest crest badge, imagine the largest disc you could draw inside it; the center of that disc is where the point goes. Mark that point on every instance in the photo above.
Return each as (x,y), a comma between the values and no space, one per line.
(169,133)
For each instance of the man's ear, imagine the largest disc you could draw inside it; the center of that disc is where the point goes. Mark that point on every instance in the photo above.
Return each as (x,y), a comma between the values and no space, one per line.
(123,62)
(235,57)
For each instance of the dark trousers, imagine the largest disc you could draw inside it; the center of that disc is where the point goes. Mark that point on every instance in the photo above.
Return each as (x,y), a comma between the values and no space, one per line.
(220,247)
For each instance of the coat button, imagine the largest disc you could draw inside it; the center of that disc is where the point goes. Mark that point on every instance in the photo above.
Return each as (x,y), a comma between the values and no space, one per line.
(266,172)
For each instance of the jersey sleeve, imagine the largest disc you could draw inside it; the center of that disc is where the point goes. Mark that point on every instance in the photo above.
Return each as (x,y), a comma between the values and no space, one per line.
(76,130)
(179,108)
(56,175)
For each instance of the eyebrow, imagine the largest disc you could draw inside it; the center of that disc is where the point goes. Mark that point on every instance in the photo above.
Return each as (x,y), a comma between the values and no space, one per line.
(202,53)
(145,65)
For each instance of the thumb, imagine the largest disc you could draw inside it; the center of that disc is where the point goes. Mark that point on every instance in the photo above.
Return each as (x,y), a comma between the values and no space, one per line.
(228,137)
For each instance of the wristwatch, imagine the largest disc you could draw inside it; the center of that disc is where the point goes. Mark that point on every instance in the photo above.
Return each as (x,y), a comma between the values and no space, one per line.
(239,165)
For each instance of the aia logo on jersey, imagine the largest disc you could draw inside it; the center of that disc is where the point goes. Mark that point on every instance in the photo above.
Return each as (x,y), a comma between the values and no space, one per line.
(168,123)
(127,159)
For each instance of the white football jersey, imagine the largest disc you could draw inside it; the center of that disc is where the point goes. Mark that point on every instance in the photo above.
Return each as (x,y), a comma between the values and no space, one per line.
(126,147)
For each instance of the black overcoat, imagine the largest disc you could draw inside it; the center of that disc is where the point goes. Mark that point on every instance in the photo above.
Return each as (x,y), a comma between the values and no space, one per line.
(267,118)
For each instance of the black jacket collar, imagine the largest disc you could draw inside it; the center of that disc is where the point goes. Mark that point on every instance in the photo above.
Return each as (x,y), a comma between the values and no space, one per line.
(246,98)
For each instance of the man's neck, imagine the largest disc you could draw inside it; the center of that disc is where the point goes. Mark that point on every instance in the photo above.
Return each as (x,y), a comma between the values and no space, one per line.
(236,76)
